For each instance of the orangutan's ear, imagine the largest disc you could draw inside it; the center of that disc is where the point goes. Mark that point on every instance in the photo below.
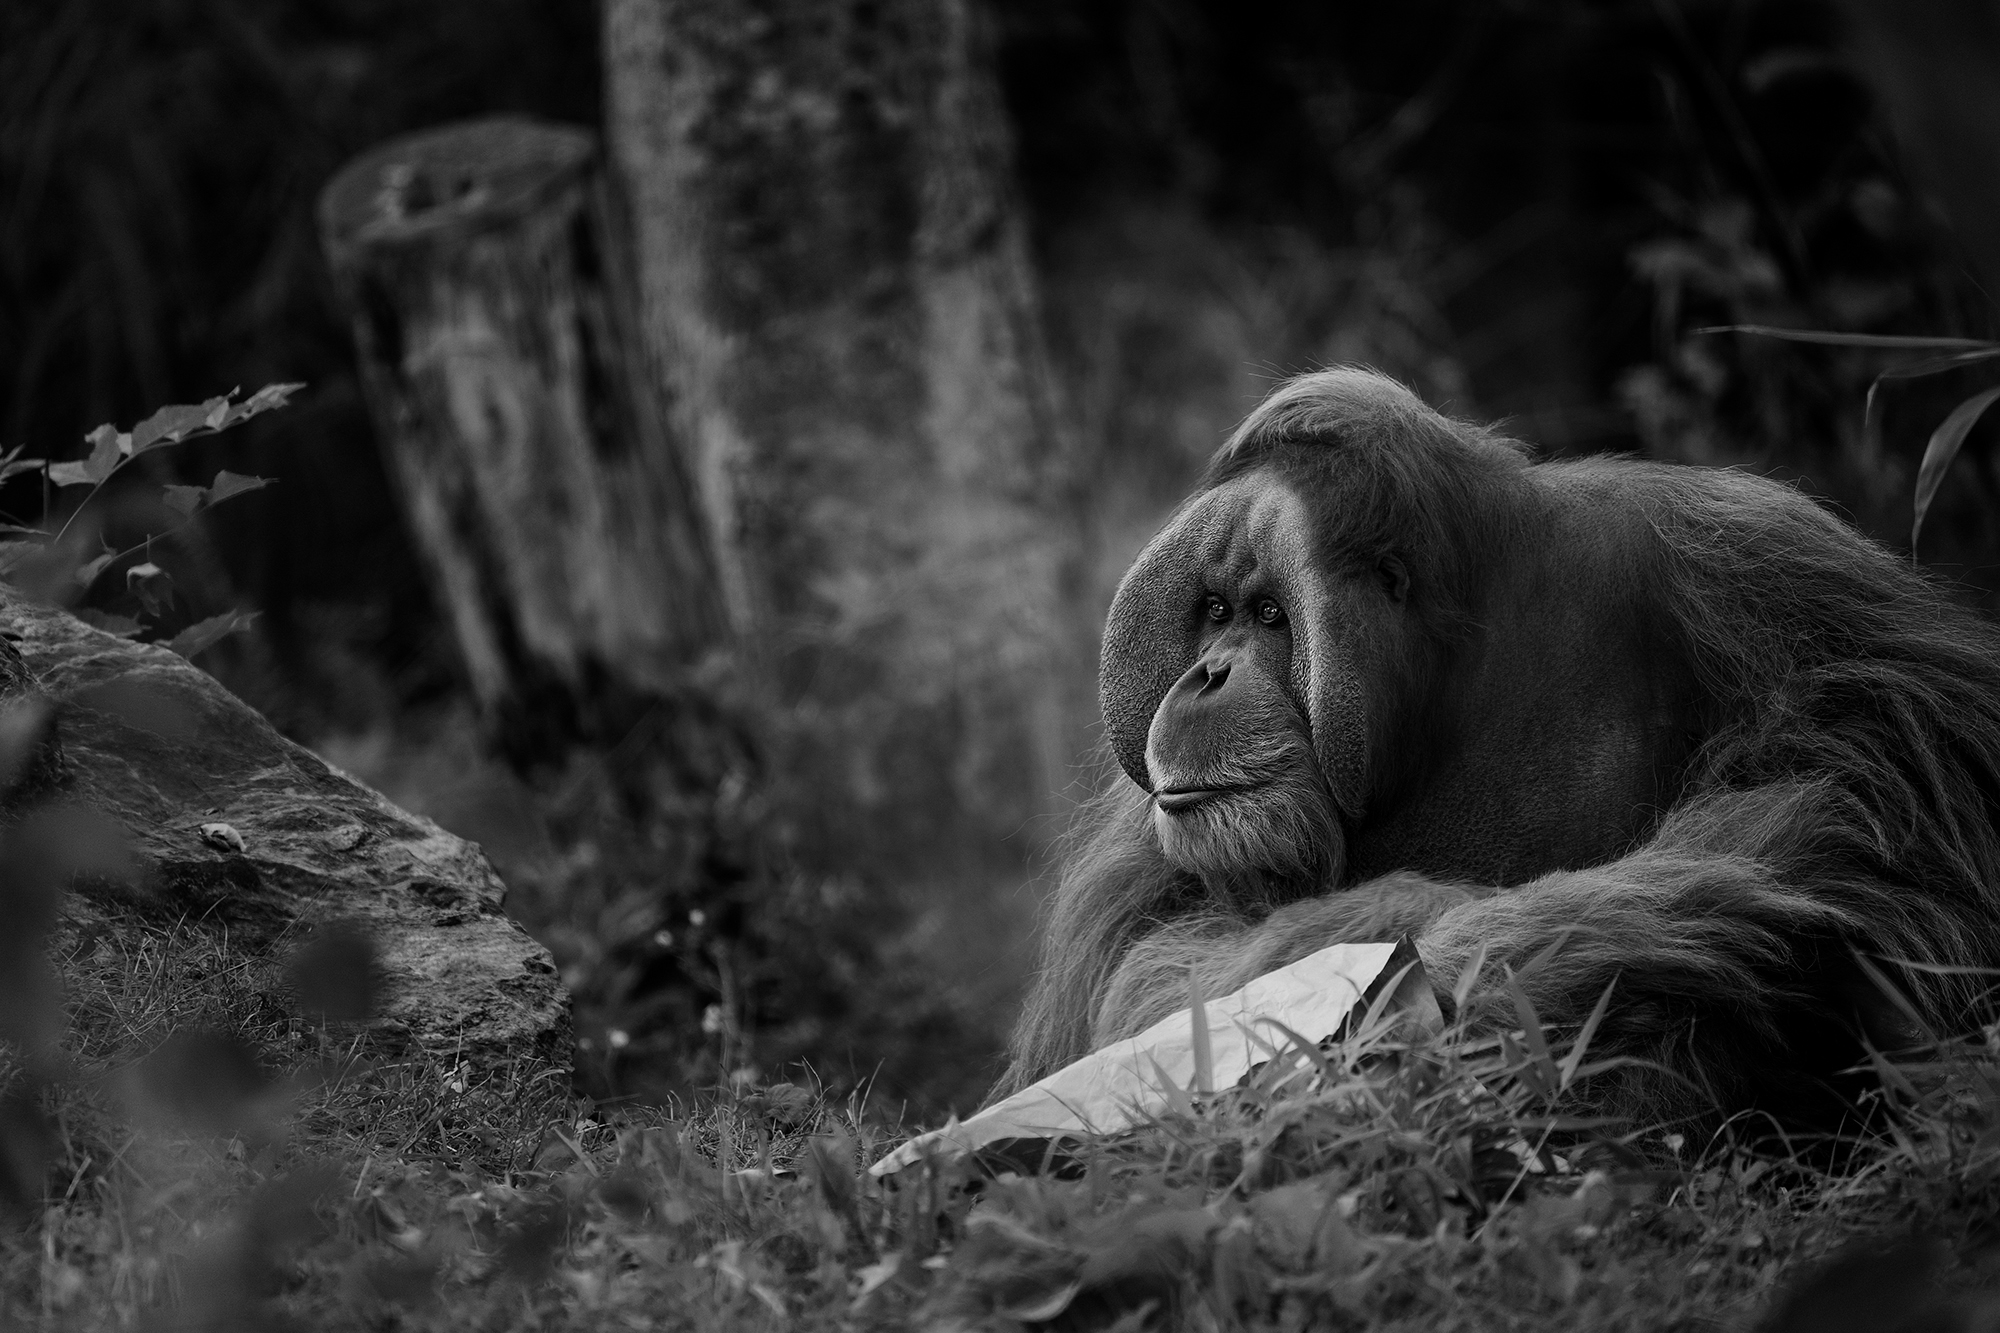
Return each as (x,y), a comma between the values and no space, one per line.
(1395,576)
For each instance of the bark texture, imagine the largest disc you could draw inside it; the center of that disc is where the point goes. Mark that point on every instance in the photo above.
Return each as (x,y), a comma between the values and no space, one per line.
(490,309)
(167,752)
(835,284)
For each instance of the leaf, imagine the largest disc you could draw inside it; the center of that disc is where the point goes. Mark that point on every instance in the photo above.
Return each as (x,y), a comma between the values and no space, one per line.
(1038,1306)
(266,398)
(207,633)
(1889,341)
(154,587)
(171,425)
(184,499)
(1944,446)
(1204,1061)
(1937,365)
(106,452)
(1468,977)
(1308,1049)
(1871,417)
(873,1276)
(71,474)
(1531,1030)
(1577,1048)
(86,573)
(14,467)
(227,484)
(1176,1096)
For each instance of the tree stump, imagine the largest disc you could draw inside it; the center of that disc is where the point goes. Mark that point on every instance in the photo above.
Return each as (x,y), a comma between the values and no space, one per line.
(833,274)
(562,534)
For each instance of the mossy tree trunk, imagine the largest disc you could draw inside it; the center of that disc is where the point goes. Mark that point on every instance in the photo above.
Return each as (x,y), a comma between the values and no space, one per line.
(491,311)
(835,284)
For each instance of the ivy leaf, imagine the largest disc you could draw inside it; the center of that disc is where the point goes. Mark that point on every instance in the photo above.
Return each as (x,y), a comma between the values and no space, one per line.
(266,398)
(184,499)
(207,633)
(107,450)
(154,587)
(228,483)
(190,499)
(171,425)
(1944,445)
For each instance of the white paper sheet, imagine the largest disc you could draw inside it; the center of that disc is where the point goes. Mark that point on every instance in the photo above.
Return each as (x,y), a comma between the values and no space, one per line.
(1122,1084)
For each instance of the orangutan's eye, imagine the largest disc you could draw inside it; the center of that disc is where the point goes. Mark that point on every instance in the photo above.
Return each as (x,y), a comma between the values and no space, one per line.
(1270,613)
(1217,609)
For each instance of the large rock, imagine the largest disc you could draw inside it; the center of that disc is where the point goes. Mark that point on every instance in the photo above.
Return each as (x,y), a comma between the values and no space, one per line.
(191,772)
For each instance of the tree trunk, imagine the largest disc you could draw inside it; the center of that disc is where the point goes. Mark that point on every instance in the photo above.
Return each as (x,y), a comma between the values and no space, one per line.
(834,280)
(561,531)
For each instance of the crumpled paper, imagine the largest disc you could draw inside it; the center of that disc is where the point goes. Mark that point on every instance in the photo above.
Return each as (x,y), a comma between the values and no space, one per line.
(1125,1083)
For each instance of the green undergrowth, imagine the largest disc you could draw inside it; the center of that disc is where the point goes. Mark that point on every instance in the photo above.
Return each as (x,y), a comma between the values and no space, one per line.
(695,947)
(187,1154)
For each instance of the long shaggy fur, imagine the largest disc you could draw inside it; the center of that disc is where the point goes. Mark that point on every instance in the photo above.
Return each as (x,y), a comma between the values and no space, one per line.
(1836,794)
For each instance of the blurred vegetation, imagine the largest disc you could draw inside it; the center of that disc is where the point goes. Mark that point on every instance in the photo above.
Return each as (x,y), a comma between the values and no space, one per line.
(1526,209)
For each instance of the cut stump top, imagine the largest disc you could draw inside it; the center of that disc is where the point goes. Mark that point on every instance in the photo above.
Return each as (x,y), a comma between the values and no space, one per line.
(456,177)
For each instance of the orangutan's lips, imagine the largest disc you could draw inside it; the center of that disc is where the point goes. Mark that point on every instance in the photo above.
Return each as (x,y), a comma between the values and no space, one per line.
(1177,800)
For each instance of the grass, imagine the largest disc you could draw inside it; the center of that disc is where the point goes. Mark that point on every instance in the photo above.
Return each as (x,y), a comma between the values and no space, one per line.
(180,1150)
(183,1154)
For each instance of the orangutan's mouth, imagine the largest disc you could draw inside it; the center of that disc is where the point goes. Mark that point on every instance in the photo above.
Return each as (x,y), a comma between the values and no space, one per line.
(1179,800)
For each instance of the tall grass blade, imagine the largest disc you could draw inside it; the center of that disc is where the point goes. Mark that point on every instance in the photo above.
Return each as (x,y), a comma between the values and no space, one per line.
(1937,365)
(1309,1049)
(1531,1032)
(1177,1097)
(1574,1059)
(1887,341)
(1871,415)
(1204,1059)
(1468,977)
(1943,448)
(1896,995)
(1372,1022)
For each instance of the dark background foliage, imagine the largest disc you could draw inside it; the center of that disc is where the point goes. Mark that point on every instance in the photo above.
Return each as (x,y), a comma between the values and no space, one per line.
(1529,207)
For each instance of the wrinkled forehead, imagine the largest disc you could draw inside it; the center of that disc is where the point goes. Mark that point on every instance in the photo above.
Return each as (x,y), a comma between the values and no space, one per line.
(1247,527)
